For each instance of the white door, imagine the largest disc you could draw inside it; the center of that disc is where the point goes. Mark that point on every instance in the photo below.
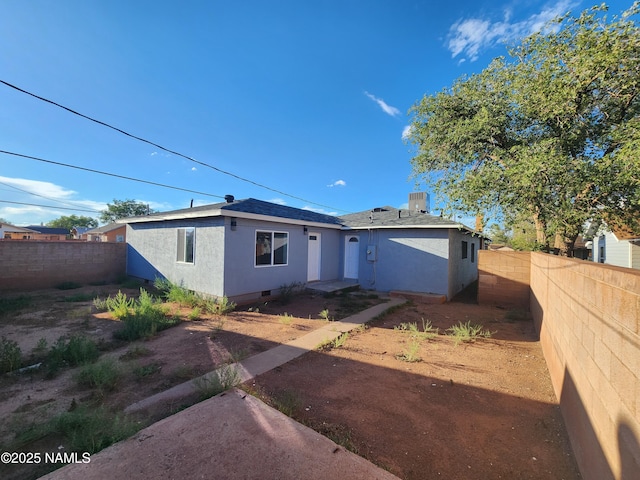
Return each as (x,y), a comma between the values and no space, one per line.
(313,263)
(351,256)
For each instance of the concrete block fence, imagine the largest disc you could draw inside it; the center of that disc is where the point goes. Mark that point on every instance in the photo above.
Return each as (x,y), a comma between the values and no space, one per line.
(588,318)
(33,264)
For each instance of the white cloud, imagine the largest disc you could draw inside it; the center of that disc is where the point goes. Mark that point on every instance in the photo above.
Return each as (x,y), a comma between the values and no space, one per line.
(319,210)
(194,169)
(386,108)
(338,183)
(46,189)
(278,201)
(469,37)
(406,131)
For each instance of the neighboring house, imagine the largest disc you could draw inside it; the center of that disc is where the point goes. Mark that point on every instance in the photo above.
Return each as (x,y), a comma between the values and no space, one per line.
(618,246)
(11,232)
(113,232)
(49,233)
(248,249)
(80,233)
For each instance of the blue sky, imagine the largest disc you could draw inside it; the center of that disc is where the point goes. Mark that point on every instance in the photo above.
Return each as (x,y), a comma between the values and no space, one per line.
(310,99)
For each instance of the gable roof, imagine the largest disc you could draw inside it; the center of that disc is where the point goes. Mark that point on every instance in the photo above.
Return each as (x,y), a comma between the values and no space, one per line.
(7,227)
(390,217)
(105,228)
(246,208)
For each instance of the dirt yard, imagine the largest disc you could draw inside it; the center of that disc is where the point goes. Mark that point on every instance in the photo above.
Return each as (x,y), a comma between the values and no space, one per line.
(473,410)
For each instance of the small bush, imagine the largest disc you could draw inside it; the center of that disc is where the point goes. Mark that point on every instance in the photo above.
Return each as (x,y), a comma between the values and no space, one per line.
(141,318)
(14,303)
(217,382)
(92,429)
(410,354)
(428,331)
(102,376)
(187,298)
(466,332)
(285,319)
(76,350)
(10,355)
(324,315)
(144,371)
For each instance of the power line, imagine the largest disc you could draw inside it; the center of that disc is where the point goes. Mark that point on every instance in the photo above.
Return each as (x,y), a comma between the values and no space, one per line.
(191,159)
(38,195)
(50,207)
(109,174)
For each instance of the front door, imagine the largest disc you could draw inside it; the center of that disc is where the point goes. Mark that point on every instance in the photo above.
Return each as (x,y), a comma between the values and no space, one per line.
(351,256)
(313,263)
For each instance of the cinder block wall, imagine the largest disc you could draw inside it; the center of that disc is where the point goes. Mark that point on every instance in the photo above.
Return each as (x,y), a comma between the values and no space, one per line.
(503,278)
(36,264)
(588,317)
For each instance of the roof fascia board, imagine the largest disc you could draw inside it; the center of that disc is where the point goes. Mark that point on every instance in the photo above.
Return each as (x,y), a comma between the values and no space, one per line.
(227,213)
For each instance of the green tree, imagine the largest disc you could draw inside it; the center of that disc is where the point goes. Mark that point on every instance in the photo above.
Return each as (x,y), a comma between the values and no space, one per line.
(123,209)
(550,133)
(68,222)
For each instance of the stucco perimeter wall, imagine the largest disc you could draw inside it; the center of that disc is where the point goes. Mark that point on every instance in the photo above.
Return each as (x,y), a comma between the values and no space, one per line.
(504,278)
(588,316)
(36,264)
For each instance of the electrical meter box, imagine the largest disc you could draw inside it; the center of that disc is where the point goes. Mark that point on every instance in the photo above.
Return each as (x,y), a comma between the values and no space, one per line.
(372,253)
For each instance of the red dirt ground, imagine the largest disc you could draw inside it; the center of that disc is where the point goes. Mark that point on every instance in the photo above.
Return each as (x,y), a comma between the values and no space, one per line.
(482,410)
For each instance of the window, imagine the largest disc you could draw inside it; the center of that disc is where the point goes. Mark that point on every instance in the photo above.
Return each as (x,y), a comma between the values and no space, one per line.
(186,244)
(119,238)
(473,252)
(465,249)
(272,248)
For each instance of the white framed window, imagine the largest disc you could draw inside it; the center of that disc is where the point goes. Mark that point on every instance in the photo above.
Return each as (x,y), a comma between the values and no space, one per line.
(272,248)
(186,244)
(119,238)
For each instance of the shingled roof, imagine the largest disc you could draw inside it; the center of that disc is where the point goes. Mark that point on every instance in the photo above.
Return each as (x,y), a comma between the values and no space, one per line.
(249,206)
(390,217)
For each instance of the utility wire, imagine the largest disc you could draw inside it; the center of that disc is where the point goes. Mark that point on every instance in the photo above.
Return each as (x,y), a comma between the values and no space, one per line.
(50,206)
(38,195)
(109,174)
(191,159)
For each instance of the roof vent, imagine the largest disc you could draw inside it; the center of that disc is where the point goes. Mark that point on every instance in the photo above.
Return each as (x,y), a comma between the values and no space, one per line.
(229,198)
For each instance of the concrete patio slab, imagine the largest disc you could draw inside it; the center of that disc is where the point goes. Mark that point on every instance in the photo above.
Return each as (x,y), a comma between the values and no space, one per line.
(230,436)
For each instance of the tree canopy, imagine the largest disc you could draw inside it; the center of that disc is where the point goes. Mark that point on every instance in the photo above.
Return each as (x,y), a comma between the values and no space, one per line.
(68,222)
(123,209)
(550,133)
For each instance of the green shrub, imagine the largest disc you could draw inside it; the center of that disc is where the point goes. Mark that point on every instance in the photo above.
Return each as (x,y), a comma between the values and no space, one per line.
(92,429)
(187,298)
(103,375)
(76,350)
(217,382)
(410,354)
(10,355)
(466,332)
(14,303)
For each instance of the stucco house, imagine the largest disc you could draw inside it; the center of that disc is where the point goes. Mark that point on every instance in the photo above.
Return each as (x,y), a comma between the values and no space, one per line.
(113,232)
(248,249)
(49,233)
(11,232)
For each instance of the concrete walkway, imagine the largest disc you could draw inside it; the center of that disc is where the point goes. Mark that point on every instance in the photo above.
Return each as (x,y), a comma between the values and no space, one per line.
(234,435)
